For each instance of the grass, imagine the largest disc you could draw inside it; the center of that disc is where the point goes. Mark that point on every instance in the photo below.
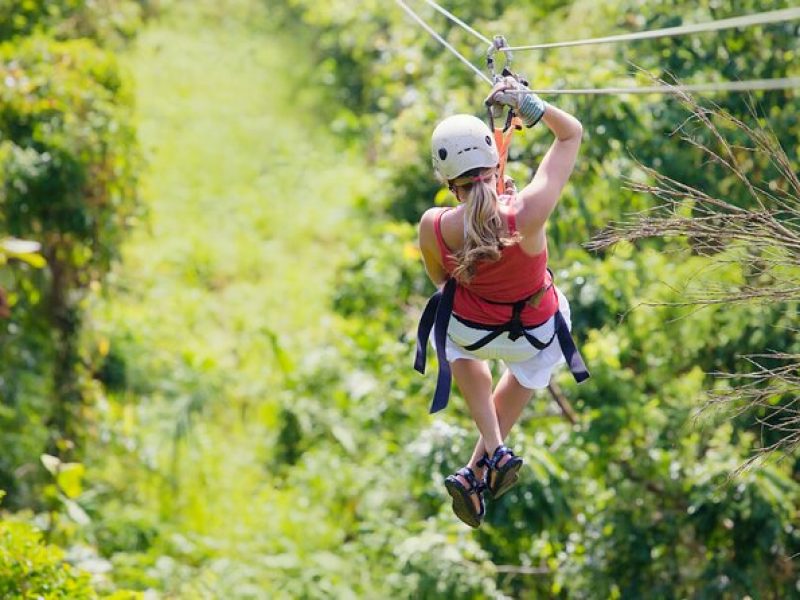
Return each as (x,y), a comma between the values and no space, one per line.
(249,199)
(243,195)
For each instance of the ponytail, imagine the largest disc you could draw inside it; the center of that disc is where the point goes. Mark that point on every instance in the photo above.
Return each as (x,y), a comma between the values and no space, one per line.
(482,228)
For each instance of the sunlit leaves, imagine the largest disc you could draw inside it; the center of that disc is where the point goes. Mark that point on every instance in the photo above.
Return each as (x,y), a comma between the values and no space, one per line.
(31,568)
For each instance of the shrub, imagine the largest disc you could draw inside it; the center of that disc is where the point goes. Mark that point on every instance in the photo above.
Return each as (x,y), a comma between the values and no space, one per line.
(29,568)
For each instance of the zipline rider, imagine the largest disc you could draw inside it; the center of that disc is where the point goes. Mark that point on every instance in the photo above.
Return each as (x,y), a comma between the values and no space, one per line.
(496,299)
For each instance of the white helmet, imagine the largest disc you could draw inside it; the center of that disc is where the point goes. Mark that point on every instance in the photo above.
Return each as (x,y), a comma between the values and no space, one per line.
(461,143)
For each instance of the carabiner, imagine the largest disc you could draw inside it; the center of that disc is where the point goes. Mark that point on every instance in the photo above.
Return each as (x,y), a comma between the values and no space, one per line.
(498,44)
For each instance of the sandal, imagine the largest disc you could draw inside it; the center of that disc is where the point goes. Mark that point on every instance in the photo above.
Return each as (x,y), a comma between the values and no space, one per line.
(463,506)
(505,476)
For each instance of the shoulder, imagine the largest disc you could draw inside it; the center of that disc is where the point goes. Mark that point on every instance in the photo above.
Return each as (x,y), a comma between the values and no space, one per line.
(429,216)
(427,224)
(528,214)
(533,236)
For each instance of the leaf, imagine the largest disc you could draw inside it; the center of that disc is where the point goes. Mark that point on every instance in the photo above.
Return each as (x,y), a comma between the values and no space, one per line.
(281,561)
(70,479)
(51,463)
(284,362)
(75,512)
(344,437)
(37,261)
(329,561)
(16,247)
(411,251)
(24,250)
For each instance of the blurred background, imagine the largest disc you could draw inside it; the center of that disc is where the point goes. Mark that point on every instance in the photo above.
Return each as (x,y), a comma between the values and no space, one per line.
(209,286)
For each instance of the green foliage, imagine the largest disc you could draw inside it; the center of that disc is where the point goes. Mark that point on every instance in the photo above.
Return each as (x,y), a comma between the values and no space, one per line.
(106,20)
(382,275)
(68,159)
(68,173)
(607,509)
(67,179)
(256,428)
(31,569)
(623,499)
(431,566)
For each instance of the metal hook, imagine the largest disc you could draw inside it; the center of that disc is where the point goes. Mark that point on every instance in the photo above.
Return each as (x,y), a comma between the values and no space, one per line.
(498,44)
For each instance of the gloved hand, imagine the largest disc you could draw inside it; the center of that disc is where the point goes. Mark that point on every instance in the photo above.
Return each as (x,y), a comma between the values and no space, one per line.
(510,92)
(509,185)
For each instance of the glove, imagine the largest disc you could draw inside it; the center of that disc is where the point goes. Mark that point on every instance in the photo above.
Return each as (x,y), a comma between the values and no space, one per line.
(509,185)
(510,92)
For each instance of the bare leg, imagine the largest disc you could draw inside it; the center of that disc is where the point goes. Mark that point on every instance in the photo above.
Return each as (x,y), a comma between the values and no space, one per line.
(475,382)
(510,398)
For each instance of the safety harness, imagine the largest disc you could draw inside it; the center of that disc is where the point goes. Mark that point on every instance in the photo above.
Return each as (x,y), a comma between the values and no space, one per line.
(436,317)
(439,309)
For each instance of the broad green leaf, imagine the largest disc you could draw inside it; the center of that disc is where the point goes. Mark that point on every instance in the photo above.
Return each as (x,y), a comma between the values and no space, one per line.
(344,436)
(35,260)
(70,479)
(16,247)
(51,463)
(75,512)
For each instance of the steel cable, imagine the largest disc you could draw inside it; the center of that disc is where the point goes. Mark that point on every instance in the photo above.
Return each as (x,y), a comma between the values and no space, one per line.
(722,86)
(763,18)
(442,41)
(458,21)
(725,86)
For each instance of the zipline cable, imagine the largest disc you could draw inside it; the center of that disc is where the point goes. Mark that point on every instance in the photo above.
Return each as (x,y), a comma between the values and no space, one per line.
(725,86)
(722,86)
(763,18)
(458,21)
(442,41)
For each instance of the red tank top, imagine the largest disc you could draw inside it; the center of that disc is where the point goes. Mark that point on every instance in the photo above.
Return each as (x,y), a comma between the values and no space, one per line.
(515,276)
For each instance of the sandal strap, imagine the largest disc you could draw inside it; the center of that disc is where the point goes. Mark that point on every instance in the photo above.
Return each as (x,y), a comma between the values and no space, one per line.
(499,453)
(474,485)
(484,461)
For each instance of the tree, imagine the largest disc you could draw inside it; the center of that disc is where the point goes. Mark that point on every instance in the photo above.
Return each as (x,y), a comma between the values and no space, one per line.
(68,161)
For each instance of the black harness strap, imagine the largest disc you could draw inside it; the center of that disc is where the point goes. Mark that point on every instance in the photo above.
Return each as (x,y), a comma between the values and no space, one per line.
(513,327)
(436,317)
(570,351)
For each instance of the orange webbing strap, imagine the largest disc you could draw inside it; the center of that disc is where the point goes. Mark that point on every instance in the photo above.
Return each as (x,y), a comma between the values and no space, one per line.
(503,140)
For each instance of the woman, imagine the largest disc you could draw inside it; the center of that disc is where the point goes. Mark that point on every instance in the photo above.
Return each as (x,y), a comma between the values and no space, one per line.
(489,257)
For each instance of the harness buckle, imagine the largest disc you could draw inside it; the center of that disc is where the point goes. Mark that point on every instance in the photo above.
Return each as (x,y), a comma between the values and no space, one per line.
(515,327)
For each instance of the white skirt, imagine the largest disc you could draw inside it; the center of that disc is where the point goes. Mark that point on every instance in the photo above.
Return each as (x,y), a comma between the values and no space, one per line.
(531,367)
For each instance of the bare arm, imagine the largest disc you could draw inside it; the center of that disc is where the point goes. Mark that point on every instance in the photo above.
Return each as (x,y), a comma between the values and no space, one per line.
(430,249)
(539,197)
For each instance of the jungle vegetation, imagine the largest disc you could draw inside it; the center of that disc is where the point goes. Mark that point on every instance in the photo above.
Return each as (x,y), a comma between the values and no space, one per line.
(205,357)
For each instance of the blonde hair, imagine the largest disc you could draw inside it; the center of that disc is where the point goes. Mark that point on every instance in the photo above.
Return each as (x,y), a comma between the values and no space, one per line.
(483,226)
